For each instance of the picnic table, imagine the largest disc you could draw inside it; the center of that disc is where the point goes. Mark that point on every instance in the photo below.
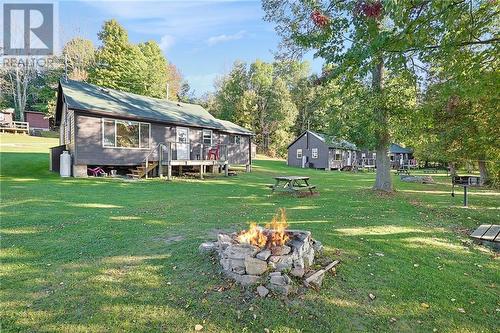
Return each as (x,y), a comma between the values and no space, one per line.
(292,184)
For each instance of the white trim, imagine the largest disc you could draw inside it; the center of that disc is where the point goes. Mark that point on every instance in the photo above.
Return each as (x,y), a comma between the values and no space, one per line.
(316,135)
(299,150)
(131,121)
(188,142)
(203,136)
(314,151)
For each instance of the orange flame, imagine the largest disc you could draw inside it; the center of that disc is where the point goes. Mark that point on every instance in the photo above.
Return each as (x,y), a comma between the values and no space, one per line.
(274,233)
(253,235)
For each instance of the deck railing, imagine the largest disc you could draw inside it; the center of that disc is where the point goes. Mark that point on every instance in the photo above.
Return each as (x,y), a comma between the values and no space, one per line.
(15,126)
(195,151)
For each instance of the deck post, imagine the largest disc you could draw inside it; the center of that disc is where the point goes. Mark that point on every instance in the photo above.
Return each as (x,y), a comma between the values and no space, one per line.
(147,165)
(226,169)
(160,159)
(201,171)
(169,171)
(248,168)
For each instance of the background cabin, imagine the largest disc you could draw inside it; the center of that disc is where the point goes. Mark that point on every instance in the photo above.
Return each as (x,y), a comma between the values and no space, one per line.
(107,128)
(321,151)
(400,157)
(9,125)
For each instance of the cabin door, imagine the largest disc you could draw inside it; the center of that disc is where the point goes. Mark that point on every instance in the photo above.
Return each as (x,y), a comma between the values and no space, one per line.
(349,158)
(182,143)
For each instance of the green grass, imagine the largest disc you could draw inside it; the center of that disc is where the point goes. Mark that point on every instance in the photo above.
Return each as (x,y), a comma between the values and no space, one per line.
(82,255)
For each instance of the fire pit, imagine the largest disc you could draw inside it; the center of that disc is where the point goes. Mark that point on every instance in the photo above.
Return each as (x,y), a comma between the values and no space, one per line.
(267,255)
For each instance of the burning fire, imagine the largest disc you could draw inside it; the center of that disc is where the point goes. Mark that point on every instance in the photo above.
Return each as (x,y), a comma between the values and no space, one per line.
(274,233)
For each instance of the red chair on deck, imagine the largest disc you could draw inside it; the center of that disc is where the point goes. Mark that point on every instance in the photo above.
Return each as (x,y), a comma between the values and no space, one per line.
(214,153)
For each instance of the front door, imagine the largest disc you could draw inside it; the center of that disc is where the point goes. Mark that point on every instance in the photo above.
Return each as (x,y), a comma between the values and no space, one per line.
(182,143)
(349,158)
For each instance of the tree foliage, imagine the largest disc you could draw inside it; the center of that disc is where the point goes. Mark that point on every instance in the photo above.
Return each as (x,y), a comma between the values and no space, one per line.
(369,39)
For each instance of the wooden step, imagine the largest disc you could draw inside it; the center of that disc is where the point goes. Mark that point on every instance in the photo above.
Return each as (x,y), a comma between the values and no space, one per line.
(133,175)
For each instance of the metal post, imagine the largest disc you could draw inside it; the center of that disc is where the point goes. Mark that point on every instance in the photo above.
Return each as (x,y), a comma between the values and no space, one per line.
(465,196)
(160,159)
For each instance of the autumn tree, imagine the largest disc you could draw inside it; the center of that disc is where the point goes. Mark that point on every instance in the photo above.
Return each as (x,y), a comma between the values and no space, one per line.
(79,57)
(366,38)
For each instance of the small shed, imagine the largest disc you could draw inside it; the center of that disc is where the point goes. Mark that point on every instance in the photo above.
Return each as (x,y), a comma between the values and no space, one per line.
(321,151)
(37,120)
(6,116)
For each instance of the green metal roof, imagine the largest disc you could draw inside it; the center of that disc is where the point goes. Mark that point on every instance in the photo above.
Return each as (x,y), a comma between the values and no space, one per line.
(397,149)
(334,142)
(88,97)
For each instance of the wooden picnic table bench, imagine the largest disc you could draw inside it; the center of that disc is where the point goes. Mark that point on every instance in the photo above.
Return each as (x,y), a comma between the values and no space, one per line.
(488,233)
(291,184)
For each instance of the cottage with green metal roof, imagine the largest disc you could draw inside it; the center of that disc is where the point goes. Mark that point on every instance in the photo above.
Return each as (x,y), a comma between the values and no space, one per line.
(115,130)
(322,151)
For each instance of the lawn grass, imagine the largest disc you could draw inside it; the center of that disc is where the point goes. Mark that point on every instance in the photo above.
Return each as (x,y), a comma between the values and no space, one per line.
(100,255)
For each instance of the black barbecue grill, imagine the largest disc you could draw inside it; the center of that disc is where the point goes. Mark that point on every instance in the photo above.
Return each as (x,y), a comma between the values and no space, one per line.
(464,181)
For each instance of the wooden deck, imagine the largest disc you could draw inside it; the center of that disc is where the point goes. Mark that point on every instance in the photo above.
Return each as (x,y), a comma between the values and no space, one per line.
(488,233)
(15,127)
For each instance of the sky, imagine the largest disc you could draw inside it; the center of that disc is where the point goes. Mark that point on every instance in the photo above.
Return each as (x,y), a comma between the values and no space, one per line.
(202,38)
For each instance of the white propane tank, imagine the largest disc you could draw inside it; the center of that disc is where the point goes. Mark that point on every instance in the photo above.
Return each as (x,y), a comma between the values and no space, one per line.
(65,164)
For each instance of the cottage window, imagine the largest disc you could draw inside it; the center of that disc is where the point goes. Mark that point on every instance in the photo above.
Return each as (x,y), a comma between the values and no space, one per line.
(314,153)
(125,134)
(338,155)
(207,137)
(299,153)
(236,139)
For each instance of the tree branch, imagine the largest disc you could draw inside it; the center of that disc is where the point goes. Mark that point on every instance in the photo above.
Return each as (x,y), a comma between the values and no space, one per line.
(431,47)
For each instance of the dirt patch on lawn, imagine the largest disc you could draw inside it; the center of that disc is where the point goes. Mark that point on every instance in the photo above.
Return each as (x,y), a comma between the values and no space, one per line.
(170,239)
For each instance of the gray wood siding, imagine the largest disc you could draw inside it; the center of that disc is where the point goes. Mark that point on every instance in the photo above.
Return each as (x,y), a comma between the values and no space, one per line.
(88,138)
(292,159)
(67,130)
(237,153)
(322,161)
(307,142)
(91,152)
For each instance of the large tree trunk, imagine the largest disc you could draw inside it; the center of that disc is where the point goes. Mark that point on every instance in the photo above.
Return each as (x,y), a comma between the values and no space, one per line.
(383,180)
(453,168)
(483,171)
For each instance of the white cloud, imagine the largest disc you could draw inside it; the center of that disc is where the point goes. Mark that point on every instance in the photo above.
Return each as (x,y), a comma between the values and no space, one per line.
(179,18)
(225,38)
(166,42)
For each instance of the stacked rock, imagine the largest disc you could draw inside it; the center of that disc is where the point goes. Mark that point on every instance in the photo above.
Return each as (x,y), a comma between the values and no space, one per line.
(248,264)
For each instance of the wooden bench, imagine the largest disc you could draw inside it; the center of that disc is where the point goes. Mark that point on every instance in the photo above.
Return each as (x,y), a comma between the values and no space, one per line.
(488,233)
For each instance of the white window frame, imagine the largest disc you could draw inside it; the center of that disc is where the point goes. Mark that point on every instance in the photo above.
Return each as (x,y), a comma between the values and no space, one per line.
(132,121)
(237,138)
(299,153)
(338,153)
(203,137)
(314,153)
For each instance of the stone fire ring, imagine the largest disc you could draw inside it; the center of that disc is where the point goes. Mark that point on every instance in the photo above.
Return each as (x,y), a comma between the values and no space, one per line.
(250,265)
